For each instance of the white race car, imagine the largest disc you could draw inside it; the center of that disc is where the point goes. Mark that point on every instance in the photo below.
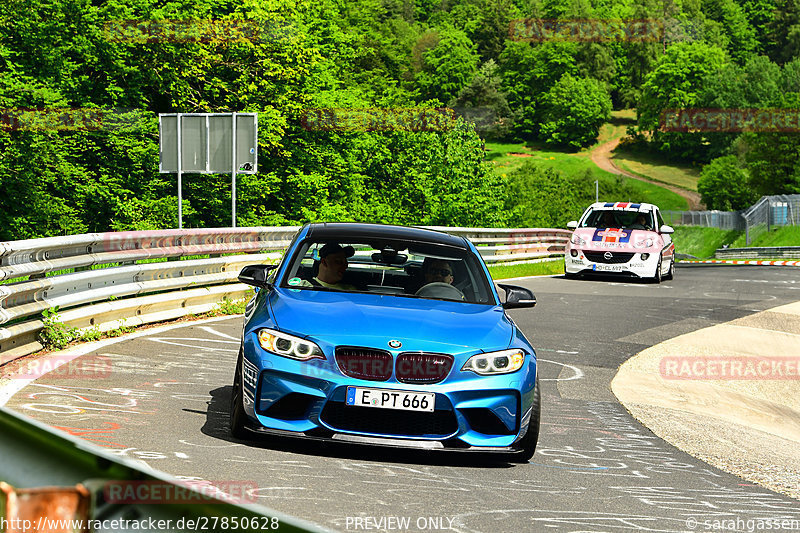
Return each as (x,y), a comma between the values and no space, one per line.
(621,238)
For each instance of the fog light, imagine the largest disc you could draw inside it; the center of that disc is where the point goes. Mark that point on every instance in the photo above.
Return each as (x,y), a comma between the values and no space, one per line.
(645,256)
(573,253)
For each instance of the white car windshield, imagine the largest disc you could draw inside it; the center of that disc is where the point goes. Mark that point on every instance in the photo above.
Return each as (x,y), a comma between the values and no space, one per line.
(608,218)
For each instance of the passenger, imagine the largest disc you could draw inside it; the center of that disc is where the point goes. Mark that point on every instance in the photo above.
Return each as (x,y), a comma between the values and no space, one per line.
(641,222)
(332,267)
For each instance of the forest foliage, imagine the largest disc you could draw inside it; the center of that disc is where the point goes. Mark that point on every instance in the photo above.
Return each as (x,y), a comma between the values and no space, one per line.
(291,56)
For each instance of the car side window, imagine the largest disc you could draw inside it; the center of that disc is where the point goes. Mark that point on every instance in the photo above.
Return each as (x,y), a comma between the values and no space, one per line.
(659,220)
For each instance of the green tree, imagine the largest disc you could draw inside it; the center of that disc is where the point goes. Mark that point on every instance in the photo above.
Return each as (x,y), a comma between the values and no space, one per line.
(447,67)
(528,72)
(773,161)
(725,186)
(783,31)
(729,22)
(543,197)
(676,83)
(573,111)
(484,102)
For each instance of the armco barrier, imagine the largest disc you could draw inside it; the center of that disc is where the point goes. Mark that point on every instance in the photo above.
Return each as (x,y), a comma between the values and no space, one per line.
(774,252)
(501,245)
(128,288)
(48,476)
(111,279)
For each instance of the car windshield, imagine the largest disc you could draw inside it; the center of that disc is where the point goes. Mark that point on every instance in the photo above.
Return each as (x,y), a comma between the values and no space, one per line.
(608,218)
(402,269)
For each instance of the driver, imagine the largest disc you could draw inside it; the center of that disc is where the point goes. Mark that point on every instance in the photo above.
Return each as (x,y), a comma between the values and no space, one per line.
(437,270)
(607,220)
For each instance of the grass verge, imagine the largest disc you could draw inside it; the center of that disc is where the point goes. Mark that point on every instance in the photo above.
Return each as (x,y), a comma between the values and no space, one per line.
(703,242)
(778,236)
(653,168)
(544,268)
(508,157)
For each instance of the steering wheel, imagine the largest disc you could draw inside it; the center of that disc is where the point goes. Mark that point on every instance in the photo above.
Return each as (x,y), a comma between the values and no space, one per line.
(440,289)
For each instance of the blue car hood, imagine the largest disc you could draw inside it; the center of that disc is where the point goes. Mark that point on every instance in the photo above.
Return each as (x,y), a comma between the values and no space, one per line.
(373,320)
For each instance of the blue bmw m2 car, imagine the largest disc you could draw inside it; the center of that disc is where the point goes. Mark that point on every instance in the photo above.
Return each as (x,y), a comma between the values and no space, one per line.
(386,335)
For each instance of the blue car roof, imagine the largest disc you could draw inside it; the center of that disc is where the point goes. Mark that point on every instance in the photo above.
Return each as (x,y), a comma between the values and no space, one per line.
(353,231)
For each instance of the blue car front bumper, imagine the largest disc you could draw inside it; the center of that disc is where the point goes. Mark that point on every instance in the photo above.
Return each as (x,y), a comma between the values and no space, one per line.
(308,399)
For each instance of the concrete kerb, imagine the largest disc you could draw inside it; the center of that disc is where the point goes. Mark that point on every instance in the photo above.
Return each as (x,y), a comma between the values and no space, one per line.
(740,262)
(749,427)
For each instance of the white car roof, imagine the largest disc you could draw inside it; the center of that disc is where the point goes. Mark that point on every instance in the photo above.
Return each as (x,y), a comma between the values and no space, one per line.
(622,206)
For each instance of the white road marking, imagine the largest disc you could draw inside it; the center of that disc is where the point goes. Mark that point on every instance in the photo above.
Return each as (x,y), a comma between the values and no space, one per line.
(213,331)
(578,372)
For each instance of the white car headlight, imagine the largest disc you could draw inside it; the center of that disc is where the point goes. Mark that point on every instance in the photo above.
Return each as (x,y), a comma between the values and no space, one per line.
(502,362)
(577,241)
(288,345)
(646,243)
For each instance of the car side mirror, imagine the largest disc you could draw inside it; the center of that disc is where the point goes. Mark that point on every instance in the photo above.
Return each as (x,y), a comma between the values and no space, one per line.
(256,275)
(572,224)
(517,297)
(666,229)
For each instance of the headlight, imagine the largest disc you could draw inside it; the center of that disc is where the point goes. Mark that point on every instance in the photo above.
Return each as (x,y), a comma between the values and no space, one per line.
(647,243)
(577,241)
(288,345)
(503,362)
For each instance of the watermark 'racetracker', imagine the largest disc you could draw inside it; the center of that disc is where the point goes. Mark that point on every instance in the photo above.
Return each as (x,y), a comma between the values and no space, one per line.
(696,120)
(411,119)
(586,30)
(730,368)
(604,30)
(180,492)
(54,119)
(60,366)
(183,31)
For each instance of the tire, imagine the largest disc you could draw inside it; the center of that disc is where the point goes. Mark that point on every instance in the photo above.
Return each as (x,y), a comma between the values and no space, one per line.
(237,414)
(657,278)
(671,273)
(528,442)
(568,275)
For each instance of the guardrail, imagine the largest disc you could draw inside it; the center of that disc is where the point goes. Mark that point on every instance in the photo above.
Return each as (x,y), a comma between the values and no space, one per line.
(777,252)
(51,481)
(108,280)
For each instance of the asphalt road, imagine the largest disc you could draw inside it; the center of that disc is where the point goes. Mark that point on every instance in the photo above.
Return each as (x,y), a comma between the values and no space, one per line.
(595,469)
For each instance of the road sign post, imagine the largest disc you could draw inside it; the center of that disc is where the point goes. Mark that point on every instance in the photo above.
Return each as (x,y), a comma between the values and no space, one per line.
(208,143)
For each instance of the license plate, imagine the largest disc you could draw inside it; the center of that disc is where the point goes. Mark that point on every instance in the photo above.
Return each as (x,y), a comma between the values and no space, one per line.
(610,268)
(391,399)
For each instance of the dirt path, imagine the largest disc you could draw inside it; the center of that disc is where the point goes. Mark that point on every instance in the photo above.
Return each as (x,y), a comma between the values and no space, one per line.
(601,157)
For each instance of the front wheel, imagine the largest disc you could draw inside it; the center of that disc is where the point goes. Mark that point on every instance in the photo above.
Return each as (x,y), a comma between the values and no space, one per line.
(671,273)
(657,278)
(528,442)
(237,414)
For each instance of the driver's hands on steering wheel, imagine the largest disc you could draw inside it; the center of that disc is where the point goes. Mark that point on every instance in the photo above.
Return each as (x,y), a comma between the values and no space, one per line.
(440,289)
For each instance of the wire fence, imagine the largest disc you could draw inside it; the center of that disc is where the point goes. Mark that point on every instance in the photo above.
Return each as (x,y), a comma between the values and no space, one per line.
(768,212)
(730,220)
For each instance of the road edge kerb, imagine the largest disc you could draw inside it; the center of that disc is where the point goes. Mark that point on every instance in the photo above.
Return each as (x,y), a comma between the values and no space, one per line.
(740,262)
(730,419)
